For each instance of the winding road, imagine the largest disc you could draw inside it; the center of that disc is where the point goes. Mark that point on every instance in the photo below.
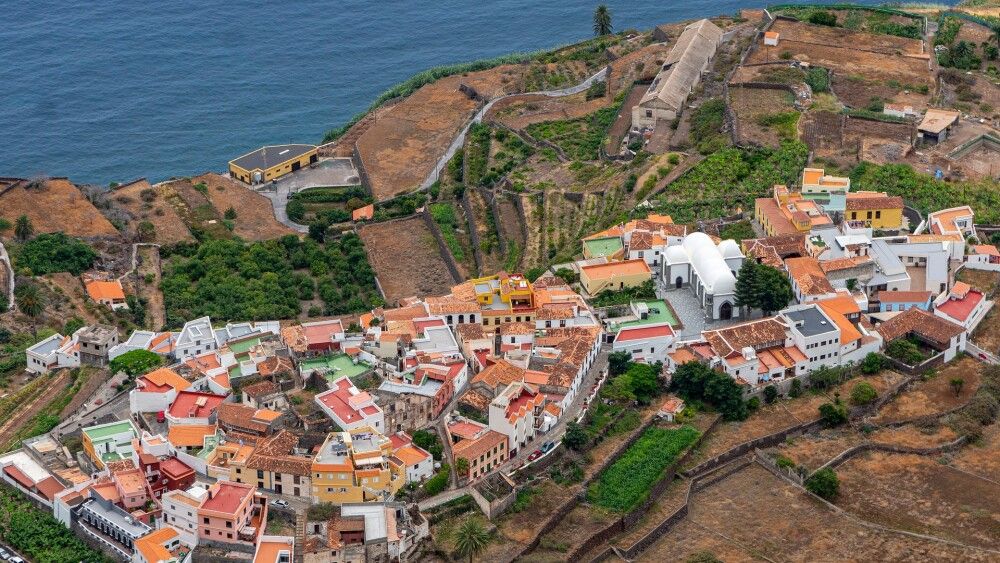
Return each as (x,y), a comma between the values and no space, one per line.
(280,193)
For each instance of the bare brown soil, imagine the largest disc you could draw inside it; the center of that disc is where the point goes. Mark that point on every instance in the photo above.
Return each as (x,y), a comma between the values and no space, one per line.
(71,300)
(857,92)
(168,226)
(579,525)
(753,515)
(918,494)
(752,105)
(195,209)
(982,457)
(936,394)
(520,112)
(782,414)
(94,381)
(914,437)
(406,259)
(813,450)
(54,205)
(34,405)
(149,265)
(875,57)
(254,214)
(402,147)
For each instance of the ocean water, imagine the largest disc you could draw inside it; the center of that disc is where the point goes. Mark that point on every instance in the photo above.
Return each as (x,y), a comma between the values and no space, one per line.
(110,91)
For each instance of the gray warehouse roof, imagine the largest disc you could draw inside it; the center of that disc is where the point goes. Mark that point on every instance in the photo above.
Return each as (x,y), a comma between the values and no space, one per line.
(266,157)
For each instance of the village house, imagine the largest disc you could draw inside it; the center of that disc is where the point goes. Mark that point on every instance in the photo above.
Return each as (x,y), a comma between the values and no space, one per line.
(941,335)
(274,549)
(356,466)
(95,343)
(275,466)
(314,338)
(516,412)
(876,210)
(983,257)
(194,407)
(418,461)
(614,276)
(828,190)
(180,511)
(107,442)
(264,395)
(644,239)
(670,408)
(788,213)
(374,531)
(937,125)
(248,420)
(156,390)
(108,524)
(20,471)
(963,305)
(349,407)
(107,292)
(809,282)
(54,352)
(959,221)
(160,546)
(485,449)
(232,513)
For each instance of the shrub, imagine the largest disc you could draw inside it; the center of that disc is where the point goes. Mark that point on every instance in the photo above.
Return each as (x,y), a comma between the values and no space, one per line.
(833,413)
(135,362)
(872,364)
(55,252)
(905,351)
(770,394)
(818,79)
(824,484)
(796,389)
(706,126)
(575,437)
(863,393)
(439,481)
(697,382)
(823,18)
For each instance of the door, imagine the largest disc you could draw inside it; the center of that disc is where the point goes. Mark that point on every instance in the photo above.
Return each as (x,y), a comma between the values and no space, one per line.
(296,165)
(726,311)
(678,282)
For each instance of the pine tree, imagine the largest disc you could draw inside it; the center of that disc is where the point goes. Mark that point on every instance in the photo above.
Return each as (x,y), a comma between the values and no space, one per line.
(746,287)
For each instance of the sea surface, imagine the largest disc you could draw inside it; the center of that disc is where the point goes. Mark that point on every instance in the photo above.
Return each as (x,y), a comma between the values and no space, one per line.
(104,91)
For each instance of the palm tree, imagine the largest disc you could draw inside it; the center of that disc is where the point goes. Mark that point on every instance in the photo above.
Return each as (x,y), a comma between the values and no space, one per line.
(23,229)
(602,20)
(31,302)
(471,538)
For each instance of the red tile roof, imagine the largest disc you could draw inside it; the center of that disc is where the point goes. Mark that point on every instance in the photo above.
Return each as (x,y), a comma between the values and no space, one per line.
(960,309)
(226,497)
(192,404)
(644,332)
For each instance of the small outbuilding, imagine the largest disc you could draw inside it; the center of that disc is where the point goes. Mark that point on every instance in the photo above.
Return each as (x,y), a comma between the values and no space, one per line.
(936,125)
(271,162)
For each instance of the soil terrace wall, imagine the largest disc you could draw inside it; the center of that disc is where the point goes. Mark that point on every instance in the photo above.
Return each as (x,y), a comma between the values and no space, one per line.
(491,203)
(747,447)
(470,220)
(449,260)
(890,448)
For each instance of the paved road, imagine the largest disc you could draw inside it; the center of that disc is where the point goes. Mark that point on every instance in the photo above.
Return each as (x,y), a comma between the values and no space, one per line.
(10,276)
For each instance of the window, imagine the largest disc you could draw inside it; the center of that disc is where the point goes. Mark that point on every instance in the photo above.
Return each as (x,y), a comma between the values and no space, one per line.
(878,214)
(649,113)
(869,214)
(205,520)
(229,524)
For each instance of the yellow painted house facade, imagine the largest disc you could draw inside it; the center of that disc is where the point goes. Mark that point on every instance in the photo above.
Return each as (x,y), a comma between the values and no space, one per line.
(271,162)
(356,466)
(876,210)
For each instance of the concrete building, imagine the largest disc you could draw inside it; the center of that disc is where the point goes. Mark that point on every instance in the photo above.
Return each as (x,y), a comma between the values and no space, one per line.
(54,352)
(271,162)
(180,510)
(274,549)
(232,513)
(962,305)
(682,70)
(517,413)
(107,292)
(945,337)
(161,546)
(937,124)
(349,407)
(356,466)
(156,390)
(96,342)
(109,442)
(110,526)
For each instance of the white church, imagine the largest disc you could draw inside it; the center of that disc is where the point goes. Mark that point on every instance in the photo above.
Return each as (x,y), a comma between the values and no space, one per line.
(708,269)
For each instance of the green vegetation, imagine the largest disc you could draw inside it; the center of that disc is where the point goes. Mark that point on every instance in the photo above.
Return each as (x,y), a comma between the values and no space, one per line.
(580,138)
(695,381)
(477,153)
(759,286)
(833,413)
(818,79)
(926,193)
(872,364)
(234,280)
(609,297)
(438,482)
(54,252)
(784,123)
(402,206)
(737,231)
(329,205)
(38,535)
(602,20)
(961,55)
(48,418)
(956,384)
(906,351)
(23,228)
(640,382)
(872,19)
(444,215)
(863,393)
(626,483)
(731,179)
(706,126)
(430,442)
(471,538)
(947,31)
(135,362)
(824,484)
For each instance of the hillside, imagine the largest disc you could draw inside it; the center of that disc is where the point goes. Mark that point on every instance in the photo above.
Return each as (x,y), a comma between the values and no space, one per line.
(54,204)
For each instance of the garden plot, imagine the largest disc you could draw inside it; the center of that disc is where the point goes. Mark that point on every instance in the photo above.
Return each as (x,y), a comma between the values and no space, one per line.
(874,57)
(406,259)
(918,494)
(755,515)
(517,527)
(764,117)
(254,215)
(190,200)
(936,395)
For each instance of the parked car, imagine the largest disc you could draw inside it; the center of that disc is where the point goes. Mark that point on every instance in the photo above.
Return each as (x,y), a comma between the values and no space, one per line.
(16,560)
(161,417)
(548,446)
(280,503)
(4,555)
(535,455)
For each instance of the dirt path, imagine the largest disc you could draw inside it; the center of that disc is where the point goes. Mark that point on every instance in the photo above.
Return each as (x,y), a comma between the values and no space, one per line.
(149,264)
(28,411)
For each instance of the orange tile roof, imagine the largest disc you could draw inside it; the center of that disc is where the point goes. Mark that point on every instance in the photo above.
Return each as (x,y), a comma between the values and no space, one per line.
(189,435)
(166,377)
(928,325)
(472,449)
(809,276)
(363,213)
(411,455)
(843,304)
(500,374)
(151,546)
(865,201)
(611,269)
(848,332)
(98,289)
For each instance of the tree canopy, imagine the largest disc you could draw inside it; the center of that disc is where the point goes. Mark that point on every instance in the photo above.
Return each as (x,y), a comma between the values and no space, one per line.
(759,286)
(602,20)
(135,362)
(696,381)
(55,252)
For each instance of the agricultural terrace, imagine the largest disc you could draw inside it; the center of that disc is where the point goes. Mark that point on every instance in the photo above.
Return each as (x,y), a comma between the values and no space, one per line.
(877,20)
(580,138)
(408,260)
(875,57)
(625,484)
(764,117)
(331,204)
(154,217)
(233,280)
(729,180)
(54,205)
(926,193)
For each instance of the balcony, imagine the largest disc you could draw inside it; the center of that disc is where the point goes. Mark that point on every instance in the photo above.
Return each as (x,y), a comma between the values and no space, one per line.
(120,548)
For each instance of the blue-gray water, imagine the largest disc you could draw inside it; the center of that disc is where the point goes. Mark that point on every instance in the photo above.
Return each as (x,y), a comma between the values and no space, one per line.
(108,91)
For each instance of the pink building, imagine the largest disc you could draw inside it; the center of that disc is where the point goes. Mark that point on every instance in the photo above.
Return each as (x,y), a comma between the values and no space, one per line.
(232,512)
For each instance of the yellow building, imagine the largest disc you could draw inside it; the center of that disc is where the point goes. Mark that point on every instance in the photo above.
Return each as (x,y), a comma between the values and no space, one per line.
(505,297)
(787,212)
(815,181)
(267,163)
(877,210)
(614,276)
(356,466)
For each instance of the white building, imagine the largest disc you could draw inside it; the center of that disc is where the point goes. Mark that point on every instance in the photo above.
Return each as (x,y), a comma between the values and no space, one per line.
(180,510)
(517,413)
(962,305)
(349,407)
(196,338)
(709,270)
(54,352)
(156,391)
(646,343)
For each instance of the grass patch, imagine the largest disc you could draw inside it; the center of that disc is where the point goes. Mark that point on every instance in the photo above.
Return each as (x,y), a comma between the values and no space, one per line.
(580,138)
(784,123)
(444,215)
